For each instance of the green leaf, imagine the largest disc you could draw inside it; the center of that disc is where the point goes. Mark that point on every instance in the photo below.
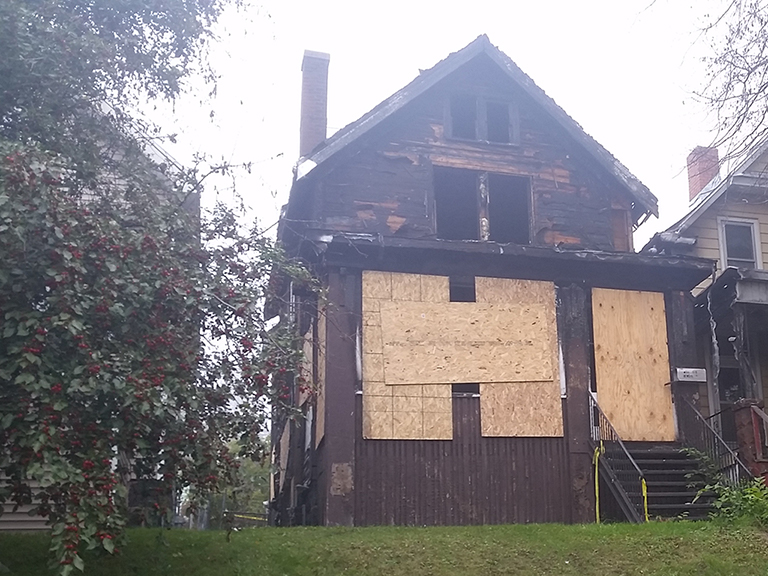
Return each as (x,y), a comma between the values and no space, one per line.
(58,232)
(109,545)
(6,421)
(24,378)
(78,563)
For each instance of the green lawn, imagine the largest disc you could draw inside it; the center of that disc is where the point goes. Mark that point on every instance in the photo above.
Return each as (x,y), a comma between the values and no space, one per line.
(674,548)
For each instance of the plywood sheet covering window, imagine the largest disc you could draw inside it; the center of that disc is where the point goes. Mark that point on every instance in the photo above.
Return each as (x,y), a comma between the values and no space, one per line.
(632,363)
(529,407)
(433,343)
(416,411)
(416,344)
(521,409)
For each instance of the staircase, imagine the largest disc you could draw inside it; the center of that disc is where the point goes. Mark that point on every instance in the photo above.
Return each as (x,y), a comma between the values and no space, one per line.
(661,479)
(673,480)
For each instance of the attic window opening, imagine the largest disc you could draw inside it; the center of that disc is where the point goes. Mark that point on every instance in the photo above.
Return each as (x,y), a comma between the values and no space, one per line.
(462,289)
(476,118)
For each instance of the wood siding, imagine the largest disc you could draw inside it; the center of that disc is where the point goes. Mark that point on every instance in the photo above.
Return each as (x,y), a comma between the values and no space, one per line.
(707,233)
(467,480)
(387,186)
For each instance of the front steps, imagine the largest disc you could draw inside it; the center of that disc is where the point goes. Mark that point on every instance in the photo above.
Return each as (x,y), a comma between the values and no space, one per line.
(673,478)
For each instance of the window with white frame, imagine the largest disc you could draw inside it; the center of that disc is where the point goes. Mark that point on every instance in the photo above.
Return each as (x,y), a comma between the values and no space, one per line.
(740,243)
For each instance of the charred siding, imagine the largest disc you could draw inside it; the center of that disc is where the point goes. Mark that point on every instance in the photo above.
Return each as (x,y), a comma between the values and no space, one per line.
(467,480)
(386,188)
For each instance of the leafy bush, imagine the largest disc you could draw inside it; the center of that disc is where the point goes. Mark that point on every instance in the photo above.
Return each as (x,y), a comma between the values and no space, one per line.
(747,503)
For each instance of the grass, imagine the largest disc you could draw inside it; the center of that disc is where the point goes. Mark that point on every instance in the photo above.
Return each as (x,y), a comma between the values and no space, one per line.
(673,548)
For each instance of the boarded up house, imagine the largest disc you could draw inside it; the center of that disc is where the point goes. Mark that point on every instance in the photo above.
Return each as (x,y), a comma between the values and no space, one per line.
(728,223)
(476,247)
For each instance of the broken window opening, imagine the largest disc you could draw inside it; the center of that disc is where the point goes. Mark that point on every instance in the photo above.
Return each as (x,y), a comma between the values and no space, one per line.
(508,209)
(462,390)
(462,289)
(464,116)
(456,204)
(497,121)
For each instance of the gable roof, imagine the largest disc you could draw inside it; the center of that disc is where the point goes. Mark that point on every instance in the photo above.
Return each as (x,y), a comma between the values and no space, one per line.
(715,188)
(645,201)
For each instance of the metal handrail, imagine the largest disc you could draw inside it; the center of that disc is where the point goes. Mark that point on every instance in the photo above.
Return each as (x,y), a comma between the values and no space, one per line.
(627,481)
(699,434)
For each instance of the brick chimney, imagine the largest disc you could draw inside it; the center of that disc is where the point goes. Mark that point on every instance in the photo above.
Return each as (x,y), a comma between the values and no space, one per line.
(314,100)
(703,165)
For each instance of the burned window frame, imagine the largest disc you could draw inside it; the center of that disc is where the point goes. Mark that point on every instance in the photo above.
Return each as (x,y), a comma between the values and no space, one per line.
(480,112)
(483,212)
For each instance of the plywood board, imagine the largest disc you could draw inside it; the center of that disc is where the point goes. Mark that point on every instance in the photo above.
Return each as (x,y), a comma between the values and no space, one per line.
(377,284)
(454,342)
(406,287)
(434,289)
(510,290)
(632,363)
(521,409)
(378,417)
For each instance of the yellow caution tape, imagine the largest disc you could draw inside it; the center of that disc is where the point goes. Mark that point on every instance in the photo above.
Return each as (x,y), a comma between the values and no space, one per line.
(645,499)
(248,517)
(595,459)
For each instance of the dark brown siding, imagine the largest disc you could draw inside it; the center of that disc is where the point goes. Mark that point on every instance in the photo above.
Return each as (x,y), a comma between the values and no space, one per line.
(468,480)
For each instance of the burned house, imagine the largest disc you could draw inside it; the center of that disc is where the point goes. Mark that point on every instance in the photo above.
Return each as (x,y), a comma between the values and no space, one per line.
(484,314)
(728,223)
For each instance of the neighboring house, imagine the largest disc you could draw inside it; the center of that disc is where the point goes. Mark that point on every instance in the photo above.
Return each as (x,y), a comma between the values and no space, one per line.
(476,248)
(728,222)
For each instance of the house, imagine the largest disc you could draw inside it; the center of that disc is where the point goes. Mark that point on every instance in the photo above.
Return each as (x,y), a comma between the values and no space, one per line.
(728,222)
(481,290)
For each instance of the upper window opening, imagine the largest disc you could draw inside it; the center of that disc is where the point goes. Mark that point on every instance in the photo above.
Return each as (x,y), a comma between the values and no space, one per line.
(508,210)
(461,288)
(498,122)
(739,244)
(456,204)
(472,205)
(464,117)
(476,118)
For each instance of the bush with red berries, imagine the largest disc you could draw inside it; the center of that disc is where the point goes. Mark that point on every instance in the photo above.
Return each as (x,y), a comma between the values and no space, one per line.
(132,346)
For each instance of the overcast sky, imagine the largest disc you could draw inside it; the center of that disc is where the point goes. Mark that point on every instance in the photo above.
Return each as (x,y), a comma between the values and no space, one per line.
(626,70)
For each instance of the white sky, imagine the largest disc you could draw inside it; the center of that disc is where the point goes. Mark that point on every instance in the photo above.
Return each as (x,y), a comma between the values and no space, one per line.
(625,70)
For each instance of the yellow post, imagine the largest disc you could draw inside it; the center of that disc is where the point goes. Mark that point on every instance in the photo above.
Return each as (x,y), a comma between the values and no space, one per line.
(595,459)
(645,500)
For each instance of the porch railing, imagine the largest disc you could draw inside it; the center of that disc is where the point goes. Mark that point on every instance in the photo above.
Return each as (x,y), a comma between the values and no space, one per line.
(625,479)
(760,430)
(697,433)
